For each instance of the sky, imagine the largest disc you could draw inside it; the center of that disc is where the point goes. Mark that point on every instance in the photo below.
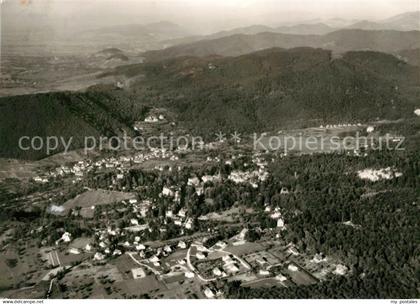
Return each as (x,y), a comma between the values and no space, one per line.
(198,15)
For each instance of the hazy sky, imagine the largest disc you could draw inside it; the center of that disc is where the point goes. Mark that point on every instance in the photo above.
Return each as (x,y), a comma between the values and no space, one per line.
(207,15)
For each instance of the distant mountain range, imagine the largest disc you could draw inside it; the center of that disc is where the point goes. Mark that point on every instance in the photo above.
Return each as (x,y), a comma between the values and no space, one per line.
(154,36)
(338,41)
(403,22)
(277,88)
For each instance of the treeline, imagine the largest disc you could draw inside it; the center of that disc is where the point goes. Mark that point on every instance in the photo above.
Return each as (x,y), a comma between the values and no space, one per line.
(380,246)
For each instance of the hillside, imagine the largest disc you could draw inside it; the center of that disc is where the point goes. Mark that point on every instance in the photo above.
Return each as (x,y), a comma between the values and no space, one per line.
(265,90)
(338,41)
(234,45)
(411,56)
(60,114)
(298,29)
(278,88)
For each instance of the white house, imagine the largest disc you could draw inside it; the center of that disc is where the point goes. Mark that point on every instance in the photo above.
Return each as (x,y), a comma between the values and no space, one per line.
(200,256)
(134,222)
(98,256)
(209,293)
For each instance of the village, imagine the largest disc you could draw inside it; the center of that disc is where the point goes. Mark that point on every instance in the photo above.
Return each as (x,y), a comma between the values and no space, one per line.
(137,248)
(162,223)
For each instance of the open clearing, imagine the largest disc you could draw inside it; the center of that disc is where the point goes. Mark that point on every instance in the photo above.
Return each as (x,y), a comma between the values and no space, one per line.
(92,198)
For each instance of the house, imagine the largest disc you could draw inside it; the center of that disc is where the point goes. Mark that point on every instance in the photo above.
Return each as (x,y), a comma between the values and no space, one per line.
(231,268)
(167,249)
(189,224)
(189,275)
(138,273)
(116,252)
(280,223)
(193,181)
(74,251)
(370,129)
(167,192)
(281,278)
(65,238)
(88,248)
(284,191)
(275,215)
(134,222)
(293,251)
(98,256)
(217,272)
(151,119)
(340,270)
(182,213)
(264,272)
(140,247)
(200,256)
(292,267)
(154,259)
(209,293)
(182,245)
(318,258)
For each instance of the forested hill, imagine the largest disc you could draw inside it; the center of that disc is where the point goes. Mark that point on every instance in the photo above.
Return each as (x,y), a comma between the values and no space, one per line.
(262,91)
(387,41)
(277,87)
(63,115)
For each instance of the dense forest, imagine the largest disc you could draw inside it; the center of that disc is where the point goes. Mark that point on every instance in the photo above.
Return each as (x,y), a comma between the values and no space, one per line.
(263,91)
(382,248)
(67,115)
(279,88)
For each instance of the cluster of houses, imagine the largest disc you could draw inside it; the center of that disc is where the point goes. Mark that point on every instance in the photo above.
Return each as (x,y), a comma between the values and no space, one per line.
(152,119)
(375,175)
(276,215)
(340,126)
(260,174)
(80,168)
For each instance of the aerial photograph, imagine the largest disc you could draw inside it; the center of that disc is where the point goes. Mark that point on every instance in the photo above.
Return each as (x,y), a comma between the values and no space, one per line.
(219,150)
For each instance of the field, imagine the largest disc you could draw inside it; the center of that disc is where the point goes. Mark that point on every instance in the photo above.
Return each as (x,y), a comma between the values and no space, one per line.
(301,277)
(20,267)
(92,198)
(16,169)
(244,249)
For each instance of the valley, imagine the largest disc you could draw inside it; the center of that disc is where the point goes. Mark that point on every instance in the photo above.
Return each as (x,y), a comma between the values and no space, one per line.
(158,161)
